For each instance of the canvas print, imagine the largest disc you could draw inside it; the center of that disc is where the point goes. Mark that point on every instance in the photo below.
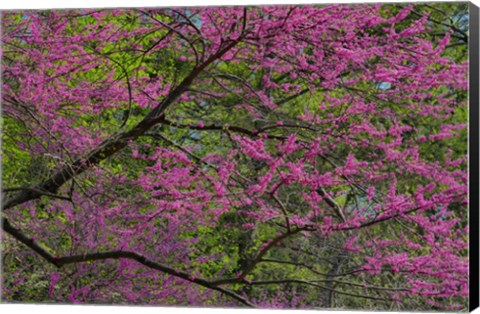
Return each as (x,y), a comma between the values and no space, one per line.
(293,157)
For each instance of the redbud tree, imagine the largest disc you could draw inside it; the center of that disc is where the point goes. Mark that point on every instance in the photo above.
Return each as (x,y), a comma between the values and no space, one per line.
(270,156)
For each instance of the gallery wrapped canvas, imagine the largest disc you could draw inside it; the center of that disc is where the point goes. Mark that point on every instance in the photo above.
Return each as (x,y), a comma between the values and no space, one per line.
(272,156)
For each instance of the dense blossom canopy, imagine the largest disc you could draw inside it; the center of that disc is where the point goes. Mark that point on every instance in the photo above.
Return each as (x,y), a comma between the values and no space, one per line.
(275,156)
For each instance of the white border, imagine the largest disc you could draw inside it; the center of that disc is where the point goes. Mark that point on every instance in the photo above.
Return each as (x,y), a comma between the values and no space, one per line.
(42,4)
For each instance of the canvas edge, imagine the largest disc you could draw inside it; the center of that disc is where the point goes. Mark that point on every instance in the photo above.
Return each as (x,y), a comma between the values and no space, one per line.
(474,155)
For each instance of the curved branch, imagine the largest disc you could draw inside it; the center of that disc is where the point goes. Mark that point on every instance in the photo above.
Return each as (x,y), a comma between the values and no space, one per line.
(60,261)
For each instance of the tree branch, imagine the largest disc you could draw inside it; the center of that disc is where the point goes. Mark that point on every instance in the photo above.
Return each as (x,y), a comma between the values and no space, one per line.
(42,193)
(116,142)
(61,261)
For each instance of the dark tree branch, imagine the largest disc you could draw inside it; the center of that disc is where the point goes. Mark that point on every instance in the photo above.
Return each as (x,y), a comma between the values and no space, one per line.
(61,261)
(42,193)
(117,141)
(29,242)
